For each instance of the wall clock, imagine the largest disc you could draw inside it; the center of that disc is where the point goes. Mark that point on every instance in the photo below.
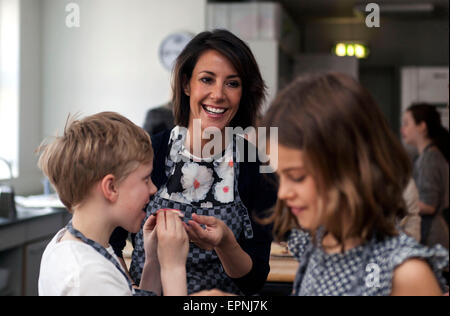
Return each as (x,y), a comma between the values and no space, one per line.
(172,46)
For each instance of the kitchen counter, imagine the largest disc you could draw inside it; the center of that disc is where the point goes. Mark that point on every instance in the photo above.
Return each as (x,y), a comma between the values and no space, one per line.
(22,243)
(26,214)
(31,224)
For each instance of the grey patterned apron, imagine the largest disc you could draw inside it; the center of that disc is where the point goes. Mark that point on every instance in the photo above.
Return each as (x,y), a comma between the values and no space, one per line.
(204,269)
(356,282)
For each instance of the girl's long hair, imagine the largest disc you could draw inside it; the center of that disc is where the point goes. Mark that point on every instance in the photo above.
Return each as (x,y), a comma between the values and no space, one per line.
(360,167)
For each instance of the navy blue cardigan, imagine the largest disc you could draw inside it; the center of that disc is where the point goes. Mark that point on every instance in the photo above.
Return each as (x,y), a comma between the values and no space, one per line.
(258,193)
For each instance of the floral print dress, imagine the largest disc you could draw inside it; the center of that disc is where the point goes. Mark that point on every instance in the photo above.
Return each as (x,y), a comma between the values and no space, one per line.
(206,187)
(204,182)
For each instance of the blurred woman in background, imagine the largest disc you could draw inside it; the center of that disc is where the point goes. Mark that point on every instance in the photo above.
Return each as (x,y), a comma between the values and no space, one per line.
(422,129)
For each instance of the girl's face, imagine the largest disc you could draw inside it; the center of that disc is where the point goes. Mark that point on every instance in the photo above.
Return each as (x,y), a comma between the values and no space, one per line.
(134,194)
(411,132)
(297,188)
(215,91)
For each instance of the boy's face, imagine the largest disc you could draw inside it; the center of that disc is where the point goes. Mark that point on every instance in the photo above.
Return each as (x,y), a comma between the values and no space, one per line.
(297,188)
(134,195)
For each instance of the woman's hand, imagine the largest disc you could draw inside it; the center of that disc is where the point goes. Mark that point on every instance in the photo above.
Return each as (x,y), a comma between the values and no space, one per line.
(214,234)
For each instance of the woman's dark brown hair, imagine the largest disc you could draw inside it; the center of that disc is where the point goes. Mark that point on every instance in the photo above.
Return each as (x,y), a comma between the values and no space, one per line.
(436,132)
(240,55)
(359,166)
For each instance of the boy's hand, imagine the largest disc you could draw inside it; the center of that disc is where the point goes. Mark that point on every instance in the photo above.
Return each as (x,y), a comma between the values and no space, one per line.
(214,234)
(173,248)
(178,212)
(173,243)
(150,239)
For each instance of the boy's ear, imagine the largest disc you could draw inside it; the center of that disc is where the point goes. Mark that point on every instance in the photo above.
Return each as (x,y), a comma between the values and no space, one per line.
(109,188)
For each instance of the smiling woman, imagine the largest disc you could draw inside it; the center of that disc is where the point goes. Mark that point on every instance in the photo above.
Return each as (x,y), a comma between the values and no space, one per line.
(216,82)
(202,61)
(215,91)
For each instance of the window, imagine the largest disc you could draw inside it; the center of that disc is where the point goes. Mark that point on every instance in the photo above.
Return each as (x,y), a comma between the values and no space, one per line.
(9,88)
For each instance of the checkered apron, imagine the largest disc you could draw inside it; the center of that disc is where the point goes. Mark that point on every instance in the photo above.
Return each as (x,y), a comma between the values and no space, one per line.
(203,267)
(315,286)
(101,250)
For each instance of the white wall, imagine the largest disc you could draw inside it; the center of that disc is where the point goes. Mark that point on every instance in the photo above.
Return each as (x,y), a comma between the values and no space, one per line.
(266,55)
(111,61)
(9,87)
(30,124)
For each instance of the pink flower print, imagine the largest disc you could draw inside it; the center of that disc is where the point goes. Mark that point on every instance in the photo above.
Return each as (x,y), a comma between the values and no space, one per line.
(225,170)
(176,197)
(223,191)
(196,181)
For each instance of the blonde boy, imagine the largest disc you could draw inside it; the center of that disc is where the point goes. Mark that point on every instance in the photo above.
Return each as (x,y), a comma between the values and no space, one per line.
(101,170)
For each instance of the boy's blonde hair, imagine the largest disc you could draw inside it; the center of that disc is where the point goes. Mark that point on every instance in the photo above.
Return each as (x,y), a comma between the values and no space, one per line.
(91,148)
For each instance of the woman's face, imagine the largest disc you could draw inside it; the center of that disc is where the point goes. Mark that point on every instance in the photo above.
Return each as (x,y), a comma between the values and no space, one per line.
(215,91)
(411,132)
(297,188)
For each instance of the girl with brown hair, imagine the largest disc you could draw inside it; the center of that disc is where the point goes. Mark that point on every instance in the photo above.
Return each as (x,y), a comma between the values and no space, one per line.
(342,174)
